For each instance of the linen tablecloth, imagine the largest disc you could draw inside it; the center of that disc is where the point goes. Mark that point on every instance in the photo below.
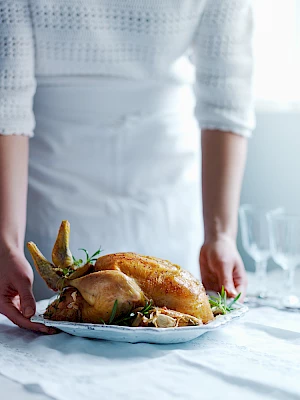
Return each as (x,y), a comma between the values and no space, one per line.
(257,357)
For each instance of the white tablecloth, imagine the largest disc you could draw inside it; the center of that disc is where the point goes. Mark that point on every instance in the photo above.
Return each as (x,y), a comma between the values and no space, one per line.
(257,357)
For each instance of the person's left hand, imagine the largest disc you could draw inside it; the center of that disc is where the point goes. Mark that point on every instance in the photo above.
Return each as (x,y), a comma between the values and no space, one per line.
(221,265)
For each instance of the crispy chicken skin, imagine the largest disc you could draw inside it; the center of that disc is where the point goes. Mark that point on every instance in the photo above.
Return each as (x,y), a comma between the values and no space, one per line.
(101,289)
(44,267)
(165,283)
(90,292)
(91,298)
(61,253)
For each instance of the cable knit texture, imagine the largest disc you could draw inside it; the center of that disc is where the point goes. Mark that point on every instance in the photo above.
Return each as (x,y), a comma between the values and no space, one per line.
(132,39)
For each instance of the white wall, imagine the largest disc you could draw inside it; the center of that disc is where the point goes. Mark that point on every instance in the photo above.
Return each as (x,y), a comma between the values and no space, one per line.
(272,176)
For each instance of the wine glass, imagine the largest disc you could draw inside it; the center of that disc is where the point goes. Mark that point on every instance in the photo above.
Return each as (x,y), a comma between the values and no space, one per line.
(285,250)
(256,242)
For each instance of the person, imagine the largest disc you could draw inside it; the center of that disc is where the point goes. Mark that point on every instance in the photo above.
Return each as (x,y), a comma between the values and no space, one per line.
(114,93)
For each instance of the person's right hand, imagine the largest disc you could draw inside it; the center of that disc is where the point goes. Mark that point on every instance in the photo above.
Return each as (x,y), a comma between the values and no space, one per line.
(16,298)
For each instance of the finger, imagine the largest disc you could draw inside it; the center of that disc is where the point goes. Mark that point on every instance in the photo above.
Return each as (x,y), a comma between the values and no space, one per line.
(226,279)
(241,287)
(18,319)
(209,279)
(28,306)
(241,284)
(16,302)
(240,280)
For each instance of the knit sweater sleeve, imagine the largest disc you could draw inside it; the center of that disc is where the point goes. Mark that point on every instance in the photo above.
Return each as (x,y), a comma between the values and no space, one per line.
(224,65)
(17,80)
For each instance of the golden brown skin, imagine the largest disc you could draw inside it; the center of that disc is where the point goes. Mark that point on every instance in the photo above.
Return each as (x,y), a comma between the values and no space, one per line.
(94,304)
(101,289)
(127,277)
(44,267)
(81,271)
(165,283)
(71,306)
(61,254)
(94,300)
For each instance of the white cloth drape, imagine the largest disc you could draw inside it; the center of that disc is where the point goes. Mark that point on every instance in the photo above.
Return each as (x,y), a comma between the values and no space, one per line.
(256,358)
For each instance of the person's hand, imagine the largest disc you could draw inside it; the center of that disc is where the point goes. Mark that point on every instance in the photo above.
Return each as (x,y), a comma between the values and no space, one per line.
(221,265)
(16,298)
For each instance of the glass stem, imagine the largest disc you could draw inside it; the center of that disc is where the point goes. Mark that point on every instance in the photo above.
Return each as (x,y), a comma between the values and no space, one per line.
(289,280)
(261,277)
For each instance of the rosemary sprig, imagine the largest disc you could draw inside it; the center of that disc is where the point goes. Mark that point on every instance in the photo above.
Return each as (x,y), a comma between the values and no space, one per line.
(147,309)
(219,304)
(126,319)
(129,317)
(113,312)
(234,301)
(122,320)
(78,262)
(89,259)
(66,271)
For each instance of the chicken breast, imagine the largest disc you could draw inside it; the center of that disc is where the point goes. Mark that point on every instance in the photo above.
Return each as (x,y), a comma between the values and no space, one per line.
(165,283)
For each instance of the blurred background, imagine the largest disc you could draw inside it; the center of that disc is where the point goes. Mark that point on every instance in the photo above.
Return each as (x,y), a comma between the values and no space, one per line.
(272,176)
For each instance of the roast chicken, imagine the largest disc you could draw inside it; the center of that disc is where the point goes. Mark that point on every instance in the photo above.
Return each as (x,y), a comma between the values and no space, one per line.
(120,288)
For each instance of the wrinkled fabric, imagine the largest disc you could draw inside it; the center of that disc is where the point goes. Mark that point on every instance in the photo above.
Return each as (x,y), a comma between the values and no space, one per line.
(255,358)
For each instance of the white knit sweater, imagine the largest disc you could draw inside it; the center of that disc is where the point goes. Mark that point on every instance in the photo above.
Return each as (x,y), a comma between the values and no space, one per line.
(131,39)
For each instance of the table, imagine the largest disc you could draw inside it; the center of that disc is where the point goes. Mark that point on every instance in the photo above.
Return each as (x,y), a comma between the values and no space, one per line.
(255,358)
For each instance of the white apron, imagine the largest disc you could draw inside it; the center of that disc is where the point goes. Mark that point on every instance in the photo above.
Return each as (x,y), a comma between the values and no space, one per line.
(120,160)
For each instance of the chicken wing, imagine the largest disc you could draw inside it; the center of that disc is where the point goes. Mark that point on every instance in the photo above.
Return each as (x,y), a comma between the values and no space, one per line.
(61,253)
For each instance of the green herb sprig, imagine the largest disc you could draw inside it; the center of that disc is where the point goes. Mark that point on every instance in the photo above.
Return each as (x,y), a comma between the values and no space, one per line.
(112,315)
(147,308)
(113,312)
(77,263)
(66,271)
(89,259)
(129,317)
(219,304)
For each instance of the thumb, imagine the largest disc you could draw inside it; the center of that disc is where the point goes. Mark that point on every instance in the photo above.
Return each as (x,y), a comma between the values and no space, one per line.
(226,280)
(26,297)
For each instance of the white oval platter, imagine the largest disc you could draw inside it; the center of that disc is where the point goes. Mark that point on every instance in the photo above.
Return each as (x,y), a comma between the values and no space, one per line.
(141,334)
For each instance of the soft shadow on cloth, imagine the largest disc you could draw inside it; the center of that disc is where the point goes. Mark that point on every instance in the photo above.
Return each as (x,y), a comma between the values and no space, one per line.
(275,332)
(71,345)
(256,387)
(240,357)
(36,389)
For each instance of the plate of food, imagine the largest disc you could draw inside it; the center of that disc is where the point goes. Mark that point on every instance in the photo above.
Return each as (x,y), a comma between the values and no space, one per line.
(127,297)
